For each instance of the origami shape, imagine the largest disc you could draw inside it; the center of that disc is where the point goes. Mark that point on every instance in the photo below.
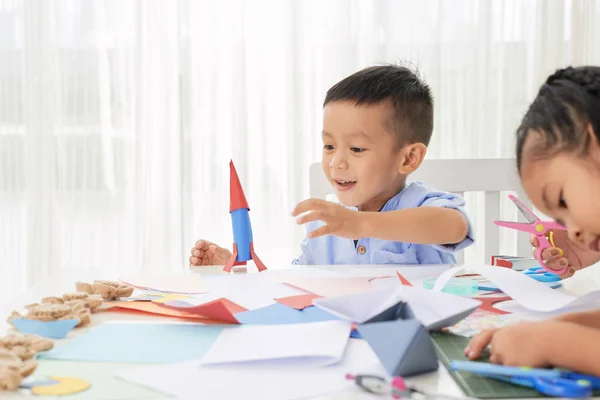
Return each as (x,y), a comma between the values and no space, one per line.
(401,343)
(243,246)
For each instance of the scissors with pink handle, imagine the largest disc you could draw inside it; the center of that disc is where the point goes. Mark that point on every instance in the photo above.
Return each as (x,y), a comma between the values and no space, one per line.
(537,227)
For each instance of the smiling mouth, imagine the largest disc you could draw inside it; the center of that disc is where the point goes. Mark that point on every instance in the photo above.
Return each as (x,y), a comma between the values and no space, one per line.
(344,185)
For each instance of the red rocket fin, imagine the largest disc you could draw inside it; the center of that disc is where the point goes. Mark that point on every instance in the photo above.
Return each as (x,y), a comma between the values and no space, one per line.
(257,261)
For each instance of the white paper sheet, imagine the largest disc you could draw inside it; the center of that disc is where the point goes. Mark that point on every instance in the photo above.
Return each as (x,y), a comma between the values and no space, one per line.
(251,291)
(435,310)
(187,381)
(315,344)
(528,292)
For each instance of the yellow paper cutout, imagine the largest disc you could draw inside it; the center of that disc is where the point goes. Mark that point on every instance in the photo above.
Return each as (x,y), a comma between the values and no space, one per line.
(164,297)
(66,385)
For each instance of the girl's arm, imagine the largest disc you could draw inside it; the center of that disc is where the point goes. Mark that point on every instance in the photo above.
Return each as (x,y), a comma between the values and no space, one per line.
(576,348)
(590,319)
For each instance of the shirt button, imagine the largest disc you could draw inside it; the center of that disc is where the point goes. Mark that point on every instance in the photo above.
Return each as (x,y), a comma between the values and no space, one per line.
(362,249)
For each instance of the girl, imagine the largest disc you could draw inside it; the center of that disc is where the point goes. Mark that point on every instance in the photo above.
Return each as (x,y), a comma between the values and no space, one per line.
(558,157)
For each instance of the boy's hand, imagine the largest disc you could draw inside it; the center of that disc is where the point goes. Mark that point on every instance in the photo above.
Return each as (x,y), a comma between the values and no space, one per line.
(523,344)
(338,220)
(208,253)
(573,254)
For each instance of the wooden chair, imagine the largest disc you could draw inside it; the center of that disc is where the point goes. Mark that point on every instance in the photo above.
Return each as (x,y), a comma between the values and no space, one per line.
(493,177)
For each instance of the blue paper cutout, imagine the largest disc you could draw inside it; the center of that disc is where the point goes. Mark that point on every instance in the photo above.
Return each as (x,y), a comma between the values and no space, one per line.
(138,343)
(32,384)
(48,329)
(280,314)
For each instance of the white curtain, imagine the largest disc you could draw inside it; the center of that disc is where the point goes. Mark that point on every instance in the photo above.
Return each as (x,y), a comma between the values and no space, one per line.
(118,118)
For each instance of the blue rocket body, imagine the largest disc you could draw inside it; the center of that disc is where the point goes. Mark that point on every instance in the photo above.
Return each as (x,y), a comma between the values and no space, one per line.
(242,233)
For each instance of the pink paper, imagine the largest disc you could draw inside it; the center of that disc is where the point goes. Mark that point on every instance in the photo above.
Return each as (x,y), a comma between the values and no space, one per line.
(299,302)
(331,287)
(186,283)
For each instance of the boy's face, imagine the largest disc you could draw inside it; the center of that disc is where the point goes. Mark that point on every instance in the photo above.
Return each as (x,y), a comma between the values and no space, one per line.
(361,156)
(566,187)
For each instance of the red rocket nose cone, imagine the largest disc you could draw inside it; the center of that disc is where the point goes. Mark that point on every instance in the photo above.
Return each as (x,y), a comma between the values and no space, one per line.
(237,199)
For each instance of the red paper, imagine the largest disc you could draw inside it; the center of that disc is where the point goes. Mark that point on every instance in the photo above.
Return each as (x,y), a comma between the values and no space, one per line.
(216,311)
(220,309)
(299,302)
(149,307)
(403,280)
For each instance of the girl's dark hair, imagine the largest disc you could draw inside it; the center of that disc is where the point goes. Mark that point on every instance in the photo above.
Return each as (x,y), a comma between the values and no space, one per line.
(567,102)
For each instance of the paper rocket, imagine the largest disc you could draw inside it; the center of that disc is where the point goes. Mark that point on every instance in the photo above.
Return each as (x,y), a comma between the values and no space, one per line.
(243,246)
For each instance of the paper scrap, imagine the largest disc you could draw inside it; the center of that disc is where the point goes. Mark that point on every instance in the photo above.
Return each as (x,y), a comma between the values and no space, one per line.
(314,344)
(329,287)
(65,386)
(28,384)
(220,309)
(299,302)
(158,297)
(49,329)
(138,343)
(279,314)
(185,283)
(529,293)
(104,384)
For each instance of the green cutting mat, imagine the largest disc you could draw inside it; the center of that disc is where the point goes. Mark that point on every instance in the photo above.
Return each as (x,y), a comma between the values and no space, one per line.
(451,347)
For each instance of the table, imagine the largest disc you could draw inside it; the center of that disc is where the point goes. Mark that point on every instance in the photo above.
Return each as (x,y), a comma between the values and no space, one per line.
(439,382)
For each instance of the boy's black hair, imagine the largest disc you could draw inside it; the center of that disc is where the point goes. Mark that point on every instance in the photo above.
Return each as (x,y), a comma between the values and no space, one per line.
(410,96)
(566,103)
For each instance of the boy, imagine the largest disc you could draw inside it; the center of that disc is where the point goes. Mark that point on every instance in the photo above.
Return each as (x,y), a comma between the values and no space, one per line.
(377,124)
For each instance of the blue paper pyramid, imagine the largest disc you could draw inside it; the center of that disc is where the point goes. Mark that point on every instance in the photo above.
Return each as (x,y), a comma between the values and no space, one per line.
(401,342)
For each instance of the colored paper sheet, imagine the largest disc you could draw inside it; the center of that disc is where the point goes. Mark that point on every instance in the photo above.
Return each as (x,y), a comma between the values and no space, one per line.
(299,302)
(220,309)
(328,287)
(48,329)
(313,344)
(185,283)
(158,309)
(138,343)
(101,377)
(280,314)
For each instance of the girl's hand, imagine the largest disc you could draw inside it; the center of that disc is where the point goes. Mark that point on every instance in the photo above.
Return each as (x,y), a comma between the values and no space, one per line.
(566,253)
(523,344)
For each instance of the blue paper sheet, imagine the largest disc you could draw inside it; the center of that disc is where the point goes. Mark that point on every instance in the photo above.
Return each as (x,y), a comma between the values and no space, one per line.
(48,329)
(138,343)
(280,314)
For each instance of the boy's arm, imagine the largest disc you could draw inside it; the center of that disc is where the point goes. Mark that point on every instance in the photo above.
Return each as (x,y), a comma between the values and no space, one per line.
(421,225)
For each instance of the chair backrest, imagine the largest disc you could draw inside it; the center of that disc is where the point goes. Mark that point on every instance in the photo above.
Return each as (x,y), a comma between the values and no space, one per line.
(491,176)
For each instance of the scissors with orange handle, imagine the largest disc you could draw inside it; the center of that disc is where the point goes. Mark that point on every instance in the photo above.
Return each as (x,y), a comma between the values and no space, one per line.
(541,229)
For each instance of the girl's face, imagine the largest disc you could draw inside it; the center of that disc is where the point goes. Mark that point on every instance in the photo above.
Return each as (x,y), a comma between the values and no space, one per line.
(566,187)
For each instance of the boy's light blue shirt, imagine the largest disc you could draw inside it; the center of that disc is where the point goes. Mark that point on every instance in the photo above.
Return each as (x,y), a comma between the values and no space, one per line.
(330,250)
